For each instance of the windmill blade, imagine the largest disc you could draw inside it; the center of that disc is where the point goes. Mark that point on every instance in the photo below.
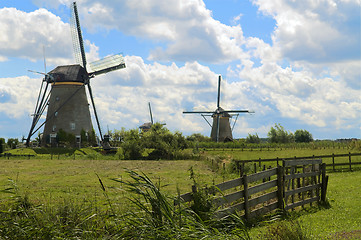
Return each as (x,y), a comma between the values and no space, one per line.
(237,111)
(201,112)
(44,59)
(77,37)
(151,115)
(204,116)
(37,72)
(38,110)
(235,122)
(217,131)
(95,111)
(219,91)
(107,64)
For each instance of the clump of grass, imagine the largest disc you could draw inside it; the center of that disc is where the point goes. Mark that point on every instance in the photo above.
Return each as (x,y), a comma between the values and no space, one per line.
(285,230)
(159,218)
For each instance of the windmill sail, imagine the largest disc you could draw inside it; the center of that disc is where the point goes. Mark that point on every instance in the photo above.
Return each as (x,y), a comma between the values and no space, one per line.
(77,37)
(107,64)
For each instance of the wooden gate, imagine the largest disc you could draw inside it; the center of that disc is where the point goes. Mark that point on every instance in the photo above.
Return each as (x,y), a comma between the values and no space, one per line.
(296,183)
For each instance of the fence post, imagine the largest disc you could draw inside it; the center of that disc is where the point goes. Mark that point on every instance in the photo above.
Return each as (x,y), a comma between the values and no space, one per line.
(333,161)
(264,169)
(242,169)
(349,160)
(280,183)
(323,184)
(246,195)
(255,167)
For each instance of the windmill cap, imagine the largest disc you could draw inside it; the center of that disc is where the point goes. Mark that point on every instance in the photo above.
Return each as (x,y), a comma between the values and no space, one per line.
(222,112)
(69,73)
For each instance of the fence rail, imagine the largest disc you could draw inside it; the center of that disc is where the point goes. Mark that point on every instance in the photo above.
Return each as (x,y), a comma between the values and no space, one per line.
(349,163)
(262,192)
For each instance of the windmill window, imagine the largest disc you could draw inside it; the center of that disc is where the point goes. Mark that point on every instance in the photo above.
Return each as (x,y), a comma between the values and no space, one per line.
(57,98)
(56,114)
(72,126)
(54,128)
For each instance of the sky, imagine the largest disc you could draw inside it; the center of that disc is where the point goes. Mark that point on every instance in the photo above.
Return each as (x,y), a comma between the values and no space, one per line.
(294,63)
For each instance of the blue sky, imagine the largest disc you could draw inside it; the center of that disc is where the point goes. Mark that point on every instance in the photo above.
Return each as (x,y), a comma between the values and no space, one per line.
(293,63)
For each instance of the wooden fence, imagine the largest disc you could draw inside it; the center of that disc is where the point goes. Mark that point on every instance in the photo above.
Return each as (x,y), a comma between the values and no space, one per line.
(283,187)
(349,163)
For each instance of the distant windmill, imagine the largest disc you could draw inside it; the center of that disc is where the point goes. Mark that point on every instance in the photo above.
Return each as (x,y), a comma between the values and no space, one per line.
(148,125)
(68,107)
(221,128)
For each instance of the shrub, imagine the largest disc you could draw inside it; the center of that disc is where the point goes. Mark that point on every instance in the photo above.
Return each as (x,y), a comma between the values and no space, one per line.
(164,143)
(132,146)
(12,142)
(278,134)
(253,138)
(303,136)
(2,145)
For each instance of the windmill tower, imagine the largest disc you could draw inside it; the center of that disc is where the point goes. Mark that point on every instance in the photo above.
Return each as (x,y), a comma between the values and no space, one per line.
(68,107)
(221,127)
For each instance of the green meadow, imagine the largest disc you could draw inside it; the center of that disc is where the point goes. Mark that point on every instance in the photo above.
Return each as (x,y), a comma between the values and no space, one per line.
(44,188)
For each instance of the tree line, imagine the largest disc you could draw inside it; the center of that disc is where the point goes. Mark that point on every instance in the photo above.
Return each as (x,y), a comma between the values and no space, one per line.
(278,134)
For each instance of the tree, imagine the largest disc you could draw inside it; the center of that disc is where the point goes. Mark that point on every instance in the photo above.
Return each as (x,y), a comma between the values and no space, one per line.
(253,138)
(197,137)
(2,145)
(303,136)
(12,142)
(164,143)
(278,134)
(62,137)
(133,146)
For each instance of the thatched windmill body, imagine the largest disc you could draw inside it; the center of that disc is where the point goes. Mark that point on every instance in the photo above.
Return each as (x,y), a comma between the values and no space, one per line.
(66,98)
(221,126)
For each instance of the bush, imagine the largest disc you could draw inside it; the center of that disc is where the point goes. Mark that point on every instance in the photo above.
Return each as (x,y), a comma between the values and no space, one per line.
(253,138)
(2,145)
(303,136)
(278,134)
(165,144)
(12,142)
(132,146)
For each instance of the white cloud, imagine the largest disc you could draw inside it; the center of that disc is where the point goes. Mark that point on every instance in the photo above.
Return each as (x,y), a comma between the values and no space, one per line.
(185,30)
(315,31)
(24,35)
(18,96)
(122,96)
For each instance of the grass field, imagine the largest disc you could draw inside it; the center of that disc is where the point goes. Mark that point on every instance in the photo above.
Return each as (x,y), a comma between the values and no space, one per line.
(53,182)
(342,220)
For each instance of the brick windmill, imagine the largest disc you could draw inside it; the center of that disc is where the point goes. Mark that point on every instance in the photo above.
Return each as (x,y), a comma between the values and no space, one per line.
(221,127)
(66,101)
